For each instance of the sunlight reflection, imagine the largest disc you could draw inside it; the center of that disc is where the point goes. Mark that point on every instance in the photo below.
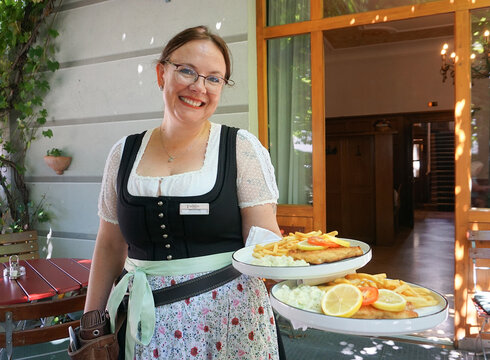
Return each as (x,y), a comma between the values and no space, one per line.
(475,227)
(218,25)
(377,17)
(348,348)
(413,9)
(458,253)
(123,37)
(458,280)
(459,151)
(416,240)
(459,108)
(370,351)
(49,244)
(140,68)
(58,341)
(347,352)
(457,190)
(352,21)
(385,18)
(152,40)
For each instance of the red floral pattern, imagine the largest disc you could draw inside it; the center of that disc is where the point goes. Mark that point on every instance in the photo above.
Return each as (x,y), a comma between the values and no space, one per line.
(233,321)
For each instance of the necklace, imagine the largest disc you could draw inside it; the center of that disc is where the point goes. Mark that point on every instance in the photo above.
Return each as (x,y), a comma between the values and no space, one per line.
(173,157)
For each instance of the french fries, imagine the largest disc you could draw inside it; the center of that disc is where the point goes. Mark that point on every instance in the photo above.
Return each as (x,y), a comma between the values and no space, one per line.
(287,243)
(417,296)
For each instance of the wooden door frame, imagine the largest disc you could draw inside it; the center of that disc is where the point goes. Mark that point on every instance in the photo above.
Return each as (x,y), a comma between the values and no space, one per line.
(465,217)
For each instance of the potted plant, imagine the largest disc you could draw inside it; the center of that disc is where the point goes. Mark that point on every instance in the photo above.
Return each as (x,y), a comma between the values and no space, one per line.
(57,161)
(27,59)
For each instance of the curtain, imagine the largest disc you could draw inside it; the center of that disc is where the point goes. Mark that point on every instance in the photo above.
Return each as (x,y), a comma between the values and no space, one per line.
(289,106)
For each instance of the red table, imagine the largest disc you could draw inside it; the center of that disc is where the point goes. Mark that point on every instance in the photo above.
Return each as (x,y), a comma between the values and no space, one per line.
(50,287)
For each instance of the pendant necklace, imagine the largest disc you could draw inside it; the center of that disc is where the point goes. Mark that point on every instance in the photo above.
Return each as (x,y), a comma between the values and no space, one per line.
(173,157)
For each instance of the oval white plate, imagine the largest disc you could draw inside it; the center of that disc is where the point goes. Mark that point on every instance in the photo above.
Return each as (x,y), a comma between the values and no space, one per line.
(242,261)
(429,317)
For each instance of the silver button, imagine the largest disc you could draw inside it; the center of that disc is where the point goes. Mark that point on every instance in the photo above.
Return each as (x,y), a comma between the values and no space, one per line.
(165,236)
(167,246)
(163,226)
(160,215)
(160,203)
(169,257)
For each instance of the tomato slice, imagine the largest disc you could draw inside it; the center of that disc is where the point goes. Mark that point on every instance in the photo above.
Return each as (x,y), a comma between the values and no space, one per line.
(369,294)
(318,241)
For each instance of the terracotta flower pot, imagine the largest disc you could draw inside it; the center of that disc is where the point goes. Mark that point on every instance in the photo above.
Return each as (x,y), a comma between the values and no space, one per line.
(58,163)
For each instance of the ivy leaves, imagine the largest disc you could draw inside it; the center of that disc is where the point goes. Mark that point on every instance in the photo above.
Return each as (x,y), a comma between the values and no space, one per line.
(26,44)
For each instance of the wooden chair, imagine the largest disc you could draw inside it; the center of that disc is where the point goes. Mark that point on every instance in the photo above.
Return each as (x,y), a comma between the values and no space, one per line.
(23,244)
(480,258)
(10,316)
(50,287)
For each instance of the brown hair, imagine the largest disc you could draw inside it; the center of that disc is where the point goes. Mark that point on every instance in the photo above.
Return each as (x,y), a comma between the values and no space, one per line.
(197,33)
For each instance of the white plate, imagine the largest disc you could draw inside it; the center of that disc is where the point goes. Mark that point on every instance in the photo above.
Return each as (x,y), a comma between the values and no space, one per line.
(429,317)
(242,261)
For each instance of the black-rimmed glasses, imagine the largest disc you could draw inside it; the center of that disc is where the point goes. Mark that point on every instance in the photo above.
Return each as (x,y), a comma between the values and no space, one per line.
(188,76)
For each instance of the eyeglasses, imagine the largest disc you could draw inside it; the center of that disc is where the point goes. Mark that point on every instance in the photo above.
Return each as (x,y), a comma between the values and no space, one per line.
(187,75)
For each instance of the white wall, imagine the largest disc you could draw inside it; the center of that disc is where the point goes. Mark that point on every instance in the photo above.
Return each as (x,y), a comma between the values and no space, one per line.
(388,78)
(106,88)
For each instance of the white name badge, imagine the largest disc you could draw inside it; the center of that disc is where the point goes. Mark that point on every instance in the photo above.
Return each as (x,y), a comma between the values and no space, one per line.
(194,209)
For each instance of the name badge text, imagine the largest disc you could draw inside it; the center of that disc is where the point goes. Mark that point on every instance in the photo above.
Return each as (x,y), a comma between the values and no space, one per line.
(194,209)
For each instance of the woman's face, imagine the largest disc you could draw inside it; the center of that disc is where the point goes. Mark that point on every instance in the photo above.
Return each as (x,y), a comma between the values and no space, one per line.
(191,103)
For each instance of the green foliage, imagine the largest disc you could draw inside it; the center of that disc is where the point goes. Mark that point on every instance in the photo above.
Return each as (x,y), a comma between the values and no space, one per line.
(27,61)
(480,44)
(54,152)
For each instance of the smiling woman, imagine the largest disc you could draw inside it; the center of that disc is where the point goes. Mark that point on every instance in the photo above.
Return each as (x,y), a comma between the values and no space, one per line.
(176,202)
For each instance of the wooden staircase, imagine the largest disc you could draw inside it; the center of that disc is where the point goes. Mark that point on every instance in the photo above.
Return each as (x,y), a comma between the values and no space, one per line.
(442,171)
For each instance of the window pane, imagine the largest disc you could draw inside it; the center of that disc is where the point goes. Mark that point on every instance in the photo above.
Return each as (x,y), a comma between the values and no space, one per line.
(280,12)
(343,7)
(480,108)
(289,103)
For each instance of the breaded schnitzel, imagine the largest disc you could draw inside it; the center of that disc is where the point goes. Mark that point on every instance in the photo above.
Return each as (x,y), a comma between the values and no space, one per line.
(370,312)
(326,256)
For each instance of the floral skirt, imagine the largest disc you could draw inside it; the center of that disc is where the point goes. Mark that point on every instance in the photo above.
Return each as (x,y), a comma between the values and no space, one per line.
(234,321)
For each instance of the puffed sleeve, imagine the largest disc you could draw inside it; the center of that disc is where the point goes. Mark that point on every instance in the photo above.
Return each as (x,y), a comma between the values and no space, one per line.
(256,181)
(107,208)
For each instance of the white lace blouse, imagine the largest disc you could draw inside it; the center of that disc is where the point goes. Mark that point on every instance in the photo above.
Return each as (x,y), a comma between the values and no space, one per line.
(256,182)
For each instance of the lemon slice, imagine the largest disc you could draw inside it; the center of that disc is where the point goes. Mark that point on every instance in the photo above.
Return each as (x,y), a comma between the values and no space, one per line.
(343,243)
(305,245)
(390,301)
(342,300)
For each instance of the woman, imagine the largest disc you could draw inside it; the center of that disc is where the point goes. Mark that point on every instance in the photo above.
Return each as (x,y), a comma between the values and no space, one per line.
(176,201)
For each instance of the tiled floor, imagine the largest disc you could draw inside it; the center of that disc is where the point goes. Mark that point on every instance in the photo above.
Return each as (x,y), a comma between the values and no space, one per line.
(423,255)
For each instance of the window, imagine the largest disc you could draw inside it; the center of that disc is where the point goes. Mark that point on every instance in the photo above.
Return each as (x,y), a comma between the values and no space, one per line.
(289,104)
(280,12)
(480,108)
